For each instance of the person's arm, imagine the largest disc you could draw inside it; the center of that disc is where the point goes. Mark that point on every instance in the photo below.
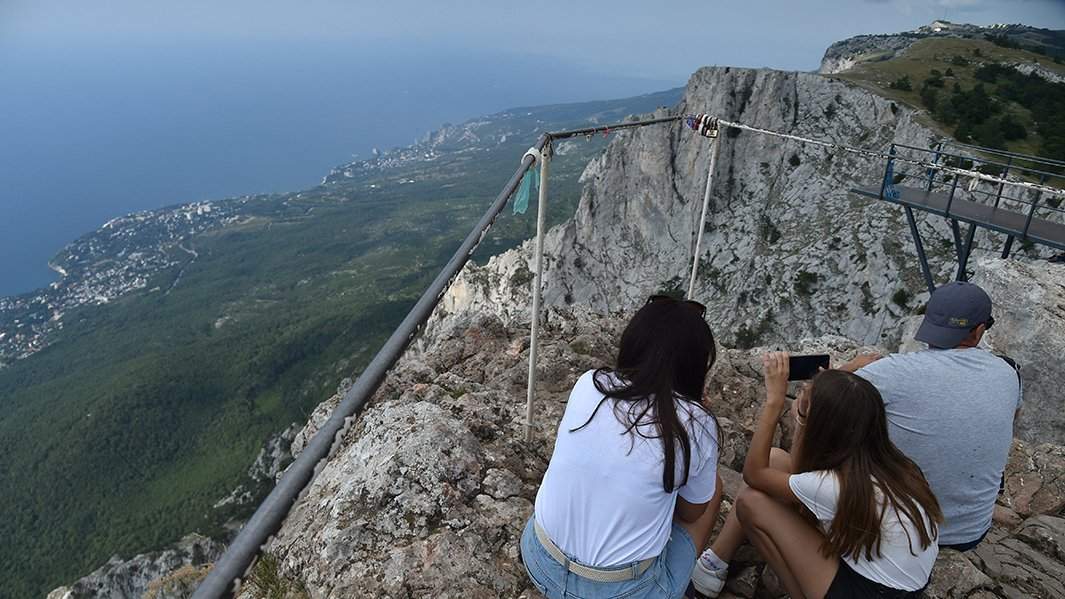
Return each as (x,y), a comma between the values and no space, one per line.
(860,361)
(687,511)
(756,470)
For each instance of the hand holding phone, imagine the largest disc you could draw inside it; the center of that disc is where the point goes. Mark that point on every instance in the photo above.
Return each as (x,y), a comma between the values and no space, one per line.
(802,368)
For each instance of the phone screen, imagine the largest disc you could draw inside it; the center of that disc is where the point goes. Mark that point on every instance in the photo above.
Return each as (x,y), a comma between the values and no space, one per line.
(801,368)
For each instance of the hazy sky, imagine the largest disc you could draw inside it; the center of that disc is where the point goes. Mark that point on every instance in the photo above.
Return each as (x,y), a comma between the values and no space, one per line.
(638,38)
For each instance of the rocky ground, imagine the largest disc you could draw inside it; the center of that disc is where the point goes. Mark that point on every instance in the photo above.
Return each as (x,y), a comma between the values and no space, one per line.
(428,492)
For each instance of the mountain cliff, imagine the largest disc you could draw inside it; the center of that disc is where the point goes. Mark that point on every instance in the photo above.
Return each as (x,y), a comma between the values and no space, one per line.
(845,54)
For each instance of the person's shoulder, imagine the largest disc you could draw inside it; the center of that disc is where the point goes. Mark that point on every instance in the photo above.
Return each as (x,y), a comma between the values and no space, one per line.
(815,483)
(586,382)
(997,364)
(888,363)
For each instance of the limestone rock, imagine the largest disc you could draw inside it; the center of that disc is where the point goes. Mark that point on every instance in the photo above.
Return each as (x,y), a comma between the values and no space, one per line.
(1030,328)
(167,574)
(955,576)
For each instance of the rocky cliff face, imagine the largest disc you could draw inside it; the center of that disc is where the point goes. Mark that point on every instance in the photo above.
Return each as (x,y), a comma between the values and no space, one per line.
(788,251)
(1030,328)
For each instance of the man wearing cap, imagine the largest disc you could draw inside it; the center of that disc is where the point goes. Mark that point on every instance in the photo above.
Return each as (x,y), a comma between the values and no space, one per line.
(951,408)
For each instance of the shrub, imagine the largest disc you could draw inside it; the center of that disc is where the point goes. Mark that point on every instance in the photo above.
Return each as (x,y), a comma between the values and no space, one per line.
(903,83)
(902,298)
(805,282)
(1011,128)
(794,160)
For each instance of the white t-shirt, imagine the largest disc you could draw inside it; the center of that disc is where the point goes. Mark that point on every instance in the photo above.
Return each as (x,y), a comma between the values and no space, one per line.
(602,500)
(897,566)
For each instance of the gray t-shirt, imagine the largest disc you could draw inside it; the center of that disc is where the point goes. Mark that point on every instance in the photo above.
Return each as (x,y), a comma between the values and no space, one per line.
(951,411)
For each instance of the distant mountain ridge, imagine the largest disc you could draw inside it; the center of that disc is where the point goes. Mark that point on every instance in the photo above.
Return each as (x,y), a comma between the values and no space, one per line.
(844,54)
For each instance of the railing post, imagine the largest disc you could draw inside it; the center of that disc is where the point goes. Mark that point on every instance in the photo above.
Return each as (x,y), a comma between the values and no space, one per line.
(541,211)
(950,198)
(932,171)
(1031,212)
(887,186)
(702,217)
(1005,172)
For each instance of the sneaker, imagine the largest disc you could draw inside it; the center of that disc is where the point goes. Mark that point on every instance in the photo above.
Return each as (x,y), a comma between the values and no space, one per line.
(707,580)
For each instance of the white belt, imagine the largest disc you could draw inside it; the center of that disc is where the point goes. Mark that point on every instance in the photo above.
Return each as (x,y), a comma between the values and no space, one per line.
(594,574)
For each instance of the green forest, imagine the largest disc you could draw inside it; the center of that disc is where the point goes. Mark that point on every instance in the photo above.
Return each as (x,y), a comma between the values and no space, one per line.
(970,91)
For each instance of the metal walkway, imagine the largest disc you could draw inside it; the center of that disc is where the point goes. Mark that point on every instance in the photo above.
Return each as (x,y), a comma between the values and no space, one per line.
(1010,207)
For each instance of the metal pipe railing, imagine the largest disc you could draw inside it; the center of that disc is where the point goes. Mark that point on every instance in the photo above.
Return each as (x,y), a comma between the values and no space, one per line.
(984,161)
(610,128)
(986,150)
(270,514)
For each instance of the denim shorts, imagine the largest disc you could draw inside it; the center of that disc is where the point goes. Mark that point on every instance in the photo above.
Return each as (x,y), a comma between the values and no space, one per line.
(667,577)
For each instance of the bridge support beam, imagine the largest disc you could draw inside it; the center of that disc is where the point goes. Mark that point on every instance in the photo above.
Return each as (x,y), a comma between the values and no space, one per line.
(920,250)
(963,257)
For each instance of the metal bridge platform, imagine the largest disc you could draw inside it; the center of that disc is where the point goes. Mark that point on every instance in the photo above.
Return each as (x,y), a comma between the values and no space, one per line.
(1006,203)
(987,216)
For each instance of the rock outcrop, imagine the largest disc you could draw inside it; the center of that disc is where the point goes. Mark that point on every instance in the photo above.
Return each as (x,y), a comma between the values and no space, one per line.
(166,574)
(788,252)
(1030,328)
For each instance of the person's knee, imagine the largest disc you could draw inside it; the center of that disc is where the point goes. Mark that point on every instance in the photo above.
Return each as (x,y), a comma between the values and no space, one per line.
(779,460)
(747,505)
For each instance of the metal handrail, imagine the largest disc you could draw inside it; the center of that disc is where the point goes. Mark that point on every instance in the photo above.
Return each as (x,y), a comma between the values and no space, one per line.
(987,150)
(974,159)
(268,517)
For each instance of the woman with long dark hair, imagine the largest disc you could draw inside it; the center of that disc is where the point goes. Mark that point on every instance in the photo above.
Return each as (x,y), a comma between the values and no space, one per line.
(854,517)
(631,492)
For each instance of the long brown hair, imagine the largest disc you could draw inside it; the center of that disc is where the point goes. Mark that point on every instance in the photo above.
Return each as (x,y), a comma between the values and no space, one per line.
(846,432)
(666,351)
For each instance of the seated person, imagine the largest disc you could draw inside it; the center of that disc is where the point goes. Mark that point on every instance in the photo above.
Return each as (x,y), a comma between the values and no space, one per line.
(856,518)
(951,409)
(631,493)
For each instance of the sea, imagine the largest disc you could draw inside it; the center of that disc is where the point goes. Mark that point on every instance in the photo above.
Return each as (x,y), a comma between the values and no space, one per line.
(89,133)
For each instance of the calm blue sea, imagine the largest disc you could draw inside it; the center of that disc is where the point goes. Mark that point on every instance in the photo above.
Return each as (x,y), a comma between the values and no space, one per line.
(90,133)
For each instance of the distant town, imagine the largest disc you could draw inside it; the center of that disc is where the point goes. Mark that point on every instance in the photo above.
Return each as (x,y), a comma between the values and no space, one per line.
(122,256)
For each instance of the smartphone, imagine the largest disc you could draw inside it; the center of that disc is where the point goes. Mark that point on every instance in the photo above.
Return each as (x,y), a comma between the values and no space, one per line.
(801,368)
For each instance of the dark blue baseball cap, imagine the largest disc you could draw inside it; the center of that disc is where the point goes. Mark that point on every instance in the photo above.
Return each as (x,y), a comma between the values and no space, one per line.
(953,311)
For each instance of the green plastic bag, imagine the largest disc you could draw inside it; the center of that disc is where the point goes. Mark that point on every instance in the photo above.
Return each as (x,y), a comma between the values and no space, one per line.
(528,182)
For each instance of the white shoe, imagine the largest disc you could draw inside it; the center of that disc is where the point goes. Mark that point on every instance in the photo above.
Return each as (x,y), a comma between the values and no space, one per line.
(707,580)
